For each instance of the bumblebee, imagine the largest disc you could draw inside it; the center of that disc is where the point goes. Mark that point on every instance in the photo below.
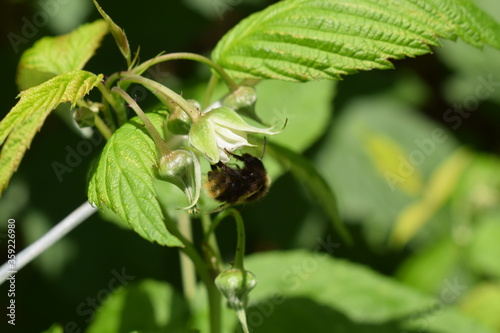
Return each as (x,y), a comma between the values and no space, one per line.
(238,185)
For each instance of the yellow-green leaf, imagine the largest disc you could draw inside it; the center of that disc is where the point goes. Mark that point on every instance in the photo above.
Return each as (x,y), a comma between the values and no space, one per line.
(52,56)
(19,127)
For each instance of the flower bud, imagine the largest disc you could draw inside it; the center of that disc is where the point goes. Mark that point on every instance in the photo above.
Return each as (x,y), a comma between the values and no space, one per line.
(235,284)
(182,169)
(179,122)
(243,100)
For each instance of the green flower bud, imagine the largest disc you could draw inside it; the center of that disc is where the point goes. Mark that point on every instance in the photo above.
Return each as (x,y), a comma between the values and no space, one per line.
(219,131)
(235,284)
(243,101)
(182,168)
(179,122)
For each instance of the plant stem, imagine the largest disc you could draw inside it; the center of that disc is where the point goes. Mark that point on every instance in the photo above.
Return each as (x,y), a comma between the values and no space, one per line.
(240,231)
(121,112)
(187,266)
(163,93)
(214,296)
(240,244)
(161,146)
(212,83)
(210,239)
(188,56)
(102,127)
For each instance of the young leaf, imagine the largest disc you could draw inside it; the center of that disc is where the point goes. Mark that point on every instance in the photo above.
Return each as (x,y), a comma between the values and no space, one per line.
(118,34)
(305,172)
(123,180)
(18,128)
(52,56)
(303,40)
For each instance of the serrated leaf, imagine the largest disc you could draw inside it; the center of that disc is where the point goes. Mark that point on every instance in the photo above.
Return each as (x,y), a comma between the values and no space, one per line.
(118,34)
(303,40)
(305,172)
(20,125)
(123,180)
(52,56)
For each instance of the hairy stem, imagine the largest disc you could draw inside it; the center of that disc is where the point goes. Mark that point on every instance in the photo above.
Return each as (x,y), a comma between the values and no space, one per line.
(102,127)
(161,145)
(163,93)
(119,107)
(187,56)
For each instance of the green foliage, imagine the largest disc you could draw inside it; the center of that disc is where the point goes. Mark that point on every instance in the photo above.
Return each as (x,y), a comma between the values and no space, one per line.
(123,180)
(52,56)
(147,305)
(19,127)
(390,170)
(303,40)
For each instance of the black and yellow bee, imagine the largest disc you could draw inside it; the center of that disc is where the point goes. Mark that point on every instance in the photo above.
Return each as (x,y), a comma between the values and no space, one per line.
(238,185)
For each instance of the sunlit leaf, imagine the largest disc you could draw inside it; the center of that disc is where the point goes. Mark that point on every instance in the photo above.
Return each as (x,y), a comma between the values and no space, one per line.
(123,180)
(52,56)
(19,127)
(303,40)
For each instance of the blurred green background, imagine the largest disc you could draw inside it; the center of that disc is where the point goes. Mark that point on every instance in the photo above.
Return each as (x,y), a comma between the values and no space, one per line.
(411,153)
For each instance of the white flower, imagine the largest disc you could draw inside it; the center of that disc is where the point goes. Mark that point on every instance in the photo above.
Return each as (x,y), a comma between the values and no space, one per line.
(219,131)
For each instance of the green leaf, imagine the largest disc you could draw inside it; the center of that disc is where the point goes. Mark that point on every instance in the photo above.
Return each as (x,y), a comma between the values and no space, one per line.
(443,256)
(52,56)
(438,190)
(366,191)
(147,306)
(299,288)
(307,106)
(484,249)
(19,127)
(123,180)
(483,303)
(118,34)
(307,174)
(302,40)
